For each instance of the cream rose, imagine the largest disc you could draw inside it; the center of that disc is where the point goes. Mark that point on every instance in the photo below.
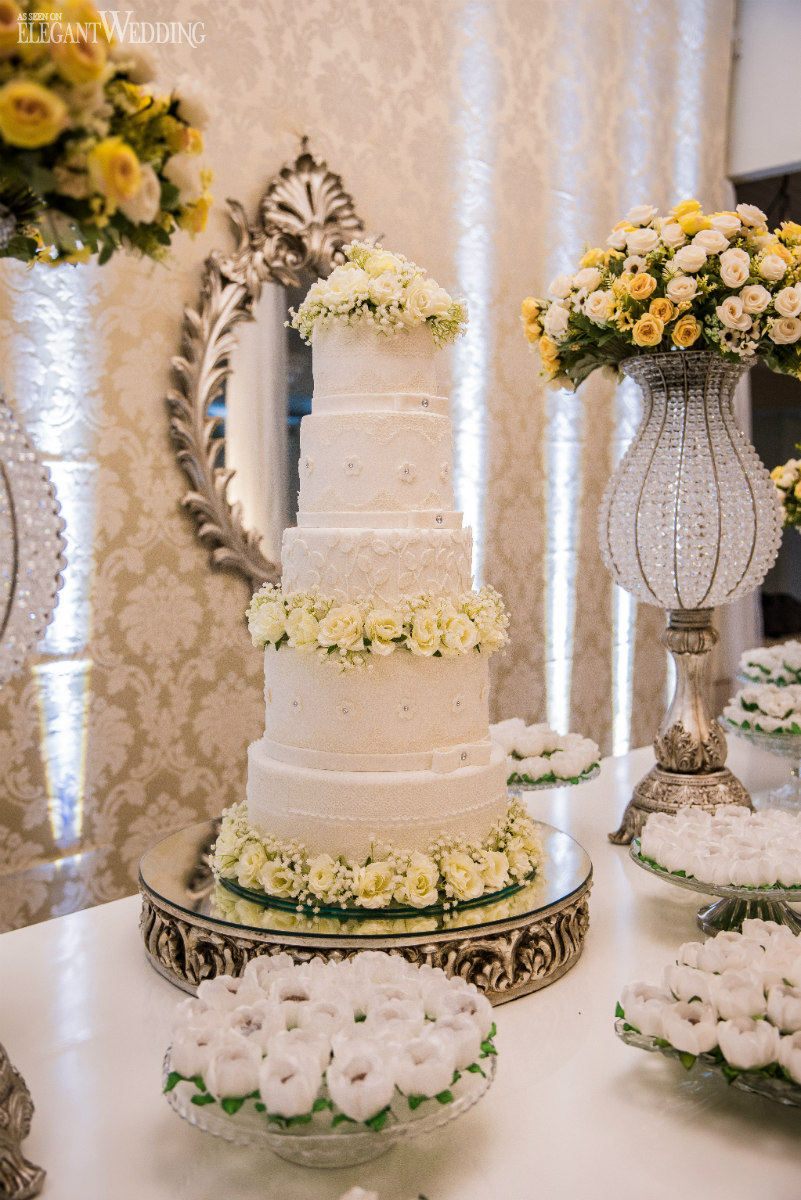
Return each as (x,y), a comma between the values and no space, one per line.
(419,887)
(785,330)
(268,622)
(772,267)
(641,214)
(726,223)
(424,636)
(731,314)
(756,299)
(145,205)
(381,261)
(681,288)
(617,239)
(519,860)
(303,629)
(555,322)
(422,299)
(588,277)
(690,258)
(276,878)
(787,302)
(462,875)
(345,286)
(384,289)
(640,241)
(382,627)
(252,858)
(342,626)
(375,885)
(598,307)
(459,634)
(673,235)
(750,215)
(322,875)
(711,240)
(735,267)
(494,867)
(561,286)
(185,171)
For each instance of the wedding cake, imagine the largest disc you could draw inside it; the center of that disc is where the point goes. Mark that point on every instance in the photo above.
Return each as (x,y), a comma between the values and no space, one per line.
(376,781)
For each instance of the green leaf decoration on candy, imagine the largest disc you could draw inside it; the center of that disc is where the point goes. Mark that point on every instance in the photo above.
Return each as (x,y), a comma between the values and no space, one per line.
(203,1098)
(445,1097)
(172,1079)
(232,1104)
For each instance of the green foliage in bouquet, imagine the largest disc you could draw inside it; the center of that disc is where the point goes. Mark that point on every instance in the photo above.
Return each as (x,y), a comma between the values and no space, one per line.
(689,280)
(91,161)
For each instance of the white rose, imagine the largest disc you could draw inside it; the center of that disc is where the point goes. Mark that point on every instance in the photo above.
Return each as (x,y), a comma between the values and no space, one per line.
(144,206)
(730,312)
(640,241)
(756,299)
(342,626)
(379,261)
(787,302)
(184,170)
(303,628)
(494,867)
(555,322)
(375,885)
(459,634)
(681,288)
(617,239)
(276,878)
(772,267)
(345,286)
(268,622)
(690,258)
(725,223)
(462,874)
(419,297)
(251,860)
(785,330)
(598,307)
(519,859)
(561,287)
(138,64)
(382,627)
(672,234)
(385,288)
(641,214)
(750,215)
(711,240)
(192,106)
(735,267)
(588,277)
(424,636)
(321,874)
(419,887)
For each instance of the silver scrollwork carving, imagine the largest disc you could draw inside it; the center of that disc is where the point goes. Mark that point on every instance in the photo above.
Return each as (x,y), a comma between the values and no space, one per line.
(19,1178)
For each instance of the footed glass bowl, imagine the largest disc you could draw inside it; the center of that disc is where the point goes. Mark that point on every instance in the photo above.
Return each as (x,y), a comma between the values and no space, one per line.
(318,1144)
(784,745)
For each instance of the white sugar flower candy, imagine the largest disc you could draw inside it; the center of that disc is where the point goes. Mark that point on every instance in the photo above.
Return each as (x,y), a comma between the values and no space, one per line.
(257,1022)
(506,733)
(326,1015)
(748,1044)
(194,1014)
(380,967)
(233,1068)
(425,1066)
(361,1080)
(689,954)
(784,1008)
(395,1022)
(757,930)
(191,1050)
(290,992)
(227,992)
(289,1082)
(691,1027)
(313,1043)
(686,983)
(789,1055)
(464,1035)
(469,1001)
(752,872)
(720,954)
(738,994)
(644,1007)
(401,991)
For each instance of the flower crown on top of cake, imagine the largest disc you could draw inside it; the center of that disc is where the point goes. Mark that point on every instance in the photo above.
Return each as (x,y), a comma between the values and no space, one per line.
(383,290)
(722,282)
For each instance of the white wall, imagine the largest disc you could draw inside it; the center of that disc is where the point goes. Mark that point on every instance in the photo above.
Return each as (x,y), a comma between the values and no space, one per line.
(765,124)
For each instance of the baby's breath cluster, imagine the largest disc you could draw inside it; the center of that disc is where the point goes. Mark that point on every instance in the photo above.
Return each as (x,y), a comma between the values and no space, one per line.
(349,634)
(689,280)
(383,290)
(451,870)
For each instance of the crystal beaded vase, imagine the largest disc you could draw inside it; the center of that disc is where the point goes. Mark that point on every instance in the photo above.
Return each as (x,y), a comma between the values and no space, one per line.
(690,520)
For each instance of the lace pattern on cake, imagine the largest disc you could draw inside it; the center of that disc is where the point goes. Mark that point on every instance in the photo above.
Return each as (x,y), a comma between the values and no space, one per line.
(351,358)
(332,500)
(327,429)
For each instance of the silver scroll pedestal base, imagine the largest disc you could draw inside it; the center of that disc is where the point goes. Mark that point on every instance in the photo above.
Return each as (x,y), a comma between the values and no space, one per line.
(19,1179)
(690,746)
(192,931)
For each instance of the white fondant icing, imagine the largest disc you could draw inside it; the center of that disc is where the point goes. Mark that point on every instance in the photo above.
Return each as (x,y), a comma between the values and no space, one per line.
(442,761)
(354,359)
(432,518)
(376,402)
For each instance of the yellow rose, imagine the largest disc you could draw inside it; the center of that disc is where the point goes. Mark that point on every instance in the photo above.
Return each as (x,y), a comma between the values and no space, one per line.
(777,473)
(648,331)
(791,231)
(686,206)
(594,258)
(530,309)
(662,308)
(9,29)
(640,286)
(686,331)
(532,331)
(693,223)
(30,115)
(797,491)
(194,217)
(115,171)
(549,352)
(79,58)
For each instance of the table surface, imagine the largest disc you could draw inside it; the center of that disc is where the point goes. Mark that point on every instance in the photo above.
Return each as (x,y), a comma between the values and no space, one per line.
(573,1112)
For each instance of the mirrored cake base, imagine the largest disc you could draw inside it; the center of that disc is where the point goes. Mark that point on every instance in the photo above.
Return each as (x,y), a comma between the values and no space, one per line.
(195,930)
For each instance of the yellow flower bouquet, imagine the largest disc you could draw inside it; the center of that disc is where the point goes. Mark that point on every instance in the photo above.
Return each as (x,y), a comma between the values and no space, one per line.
(787,478)
(688,280)
(91,160)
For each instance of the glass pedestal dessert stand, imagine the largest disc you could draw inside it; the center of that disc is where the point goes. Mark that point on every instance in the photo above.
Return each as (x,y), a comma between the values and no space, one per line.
(507,947)
(735,904)
(783,745)
(523,785)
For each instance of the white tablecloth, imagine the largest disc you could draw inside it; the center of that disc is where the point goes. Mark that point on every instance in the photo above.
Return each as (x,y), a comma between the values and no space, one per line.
(573,1114)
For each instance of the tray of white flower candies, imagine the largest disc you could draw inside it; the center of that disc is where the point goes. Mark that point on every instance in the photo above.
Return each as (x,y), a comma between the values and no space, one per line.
(539,757)
(329,1063)
(728,1006)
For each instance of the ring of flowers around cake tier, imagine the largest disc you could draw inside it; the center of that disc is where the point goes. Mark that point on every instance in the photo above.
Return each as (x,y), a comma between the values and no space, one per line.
(426,625)
(451,871)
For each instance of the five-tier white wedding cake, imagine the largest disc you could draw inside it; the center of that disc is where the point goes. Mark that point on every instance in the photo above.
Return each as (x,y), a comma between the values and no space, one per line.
(376,780)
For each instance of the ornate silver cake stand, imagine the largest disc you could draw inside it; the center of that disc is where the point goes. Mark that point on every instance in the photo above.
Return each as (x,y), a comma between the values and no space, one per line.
(507,948)
(735,904)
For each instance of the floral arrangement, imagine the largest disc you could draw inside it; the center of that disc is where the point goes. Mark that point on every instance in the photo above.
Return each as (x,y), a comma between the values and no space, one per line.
(349,634)
(733,1001)
(92,160)
(452,870)
(788,484)
(766,708)
(720,281)
(732,846)
(537,754)
(779,665)
(381,289)
(365,1041)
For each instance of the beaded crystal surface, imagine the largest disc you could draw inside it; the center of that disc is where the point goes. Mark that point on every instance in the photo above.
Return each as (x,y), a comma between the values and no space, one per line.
(691,518)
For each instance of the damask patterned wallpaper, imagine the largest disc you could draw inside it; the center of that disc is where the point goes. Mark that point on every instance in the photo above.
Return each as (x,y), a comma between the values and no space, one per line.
(486,139)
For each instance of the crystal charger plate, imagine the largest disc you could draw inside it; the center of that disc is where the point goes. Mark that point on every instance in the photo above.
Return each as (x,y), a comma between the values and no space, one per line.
(317,1144)
(782,1091)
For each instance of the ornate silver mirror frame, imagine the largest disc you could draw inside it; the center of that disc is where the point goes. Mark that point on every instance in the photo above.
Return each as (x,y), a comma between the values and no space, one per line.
(304,218)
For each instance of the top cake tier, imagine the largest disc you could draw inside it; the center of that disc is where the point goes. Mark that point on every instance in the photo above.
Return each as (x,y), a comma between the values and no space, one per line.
(359,370)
